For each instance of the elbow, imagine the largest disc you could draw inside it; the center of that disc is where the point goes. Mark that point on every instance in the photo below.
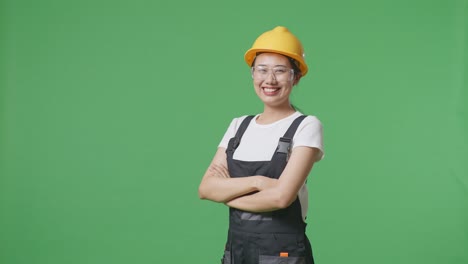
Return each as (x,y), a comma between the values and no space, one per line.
(283,204)
(205,194)
(202,193)
(201,196)
(284,200)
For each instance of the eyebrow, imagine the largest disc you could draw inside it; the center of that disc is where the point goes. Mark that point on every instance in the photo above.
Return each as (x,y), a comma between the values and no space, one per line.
(278,65)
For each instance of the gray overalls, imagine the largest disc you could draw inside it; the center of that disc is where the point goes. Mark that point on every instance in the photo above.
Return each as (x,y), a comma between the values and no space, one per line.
(276,237)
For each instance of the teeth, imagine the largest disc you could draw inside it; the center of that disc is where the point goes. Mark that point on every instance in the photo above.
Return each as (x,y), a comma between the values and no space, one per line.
(270,90)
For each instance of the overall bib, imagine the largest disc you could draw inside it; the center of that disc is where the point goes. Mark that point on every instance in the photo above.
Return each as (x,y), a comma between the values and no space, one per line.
(276,237)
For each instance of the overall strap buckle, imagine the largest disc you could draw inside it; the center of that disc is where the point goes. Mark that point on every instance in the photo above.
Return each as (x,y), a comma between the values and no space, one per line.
(285,142)
(284,146)
(235,141)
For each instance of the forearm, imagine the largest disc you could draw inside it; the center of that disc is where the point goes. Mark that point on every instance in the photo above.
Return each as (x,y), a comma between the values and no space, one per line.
(283,192)
(219,189)
(263,201)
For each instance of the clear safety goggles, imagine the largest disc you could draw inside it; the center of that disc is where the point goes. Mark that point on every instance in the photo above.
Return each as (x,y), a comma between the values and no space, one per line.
(279,73)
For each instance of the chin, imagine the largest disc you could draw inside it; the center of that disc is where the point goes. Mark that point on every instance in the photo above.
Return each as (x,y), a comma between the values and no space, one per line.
(273,103)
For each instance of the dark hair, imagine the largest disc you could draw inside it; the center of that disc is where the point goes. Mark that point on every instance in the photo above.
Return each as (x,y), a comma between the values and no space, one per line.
(294,65)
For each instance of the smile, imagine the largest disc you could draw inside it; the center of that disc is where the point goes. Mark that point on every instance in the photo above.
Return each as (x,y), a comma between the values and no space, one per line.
(270,91)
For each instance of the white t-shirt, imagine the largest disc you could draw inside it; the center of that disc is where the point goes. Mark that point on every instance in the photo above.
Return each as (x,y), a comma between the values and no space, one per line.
(259,142)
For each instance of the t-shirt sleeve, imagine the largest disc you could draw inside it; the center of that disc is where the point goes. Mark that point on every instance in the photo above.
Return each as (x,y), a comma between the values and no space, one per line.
(310,134)
(230,132)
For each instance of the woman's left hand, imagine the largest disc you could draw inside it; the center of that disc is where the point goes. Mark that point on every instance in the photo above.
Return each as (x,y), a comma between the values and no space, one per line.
(219,171)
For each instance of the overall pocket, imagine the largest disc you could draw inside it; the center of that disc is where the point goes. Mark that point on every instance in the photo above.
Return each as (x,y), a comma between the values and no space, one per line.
(282,249)
(280,260)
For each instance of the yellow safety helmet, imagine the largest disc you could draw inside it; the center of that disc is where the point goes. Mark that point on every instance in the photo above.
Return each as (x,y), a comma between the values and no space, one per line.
(279,40)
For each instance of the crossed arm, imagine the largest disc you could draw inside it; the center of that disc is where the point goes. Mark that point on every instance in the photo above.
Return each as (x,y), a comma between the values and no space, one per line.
(257,193)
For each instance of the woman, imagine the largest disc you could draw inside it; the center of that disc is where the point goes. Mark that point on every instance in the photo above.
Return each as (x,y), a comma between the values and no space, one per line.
(263,161)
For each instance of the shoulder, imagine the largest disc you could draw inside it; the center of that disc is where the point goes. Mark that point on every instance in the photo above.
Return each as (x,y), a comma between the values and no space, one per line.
(310,127)
(231,130)
(237,121)
(310,121)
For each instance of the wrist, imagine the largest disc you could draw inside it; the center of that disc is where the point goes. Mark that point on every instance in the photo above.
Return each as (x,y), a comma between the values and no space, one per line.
(258,183)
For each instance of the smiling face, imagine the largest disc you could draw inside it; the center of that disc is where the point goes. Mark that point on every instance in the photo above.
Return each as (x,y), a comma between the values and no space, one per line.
(273,79)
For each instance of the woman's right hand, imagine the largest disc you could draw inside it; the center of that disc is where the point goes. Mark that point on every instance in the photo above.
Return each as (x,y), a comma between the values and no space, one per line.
(218,186)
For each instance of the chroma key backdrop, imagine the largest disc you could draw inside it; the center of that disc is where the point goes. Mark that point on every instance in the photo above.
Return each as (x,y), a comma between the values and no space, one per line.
(110,113)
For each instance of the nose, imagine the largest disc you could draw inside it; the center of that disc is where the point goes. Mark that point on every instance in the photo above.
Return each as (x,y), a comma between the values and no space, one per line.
(270,77)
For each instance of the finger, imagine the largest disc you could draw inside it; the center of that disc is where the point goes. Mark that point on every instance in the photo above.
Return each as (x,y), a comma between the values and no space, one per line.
(222,170)
(226,174)
(217,171)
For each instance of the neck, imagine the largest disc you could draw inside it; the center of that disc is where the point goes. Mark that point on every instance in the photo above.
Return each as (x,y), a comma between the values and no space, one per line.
(273,114)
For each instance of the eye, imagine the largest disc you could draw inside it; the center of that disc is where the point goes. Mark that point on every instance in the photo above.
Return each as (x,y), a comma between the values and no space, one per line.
(262,70)
(280,70)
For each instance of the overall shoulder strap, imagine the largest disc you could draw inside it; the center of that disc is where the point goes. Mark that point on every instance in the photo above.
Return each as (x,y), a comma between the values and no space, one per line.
(285,142)
(240,131)
(293,127)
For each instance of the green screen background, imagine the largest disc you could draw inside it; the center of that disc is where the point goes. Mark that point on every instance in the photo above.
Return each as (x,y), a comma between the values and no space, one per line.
(110,112)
